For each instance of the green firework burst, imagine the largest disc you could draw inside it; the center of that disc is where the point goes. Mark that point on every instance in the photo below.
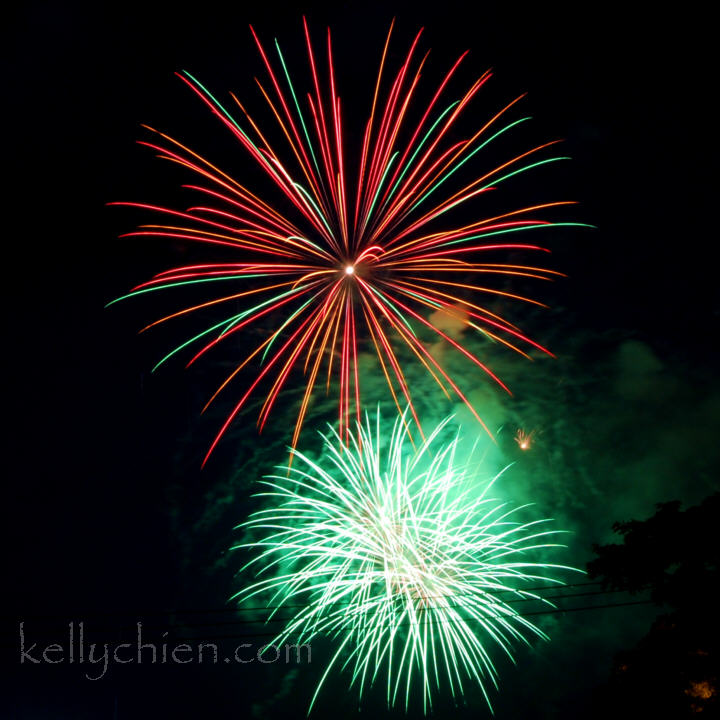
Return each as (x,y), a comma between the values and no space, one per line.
(399,556)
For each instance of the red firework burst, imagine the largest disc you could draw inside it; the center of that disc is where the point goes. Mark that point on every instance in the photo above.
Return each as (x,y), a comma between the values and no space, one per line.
(349,260)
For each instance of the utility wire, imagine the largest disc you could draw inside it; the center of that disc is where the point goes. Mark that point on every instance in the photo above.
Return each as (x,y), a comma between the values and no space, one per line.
(250,622)
(234,609)
(439,622)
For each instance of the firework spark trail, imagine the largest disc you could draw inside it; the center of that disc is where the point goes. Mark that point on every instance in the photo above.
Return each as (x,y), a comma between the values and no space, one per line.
(355,264)
(398,557)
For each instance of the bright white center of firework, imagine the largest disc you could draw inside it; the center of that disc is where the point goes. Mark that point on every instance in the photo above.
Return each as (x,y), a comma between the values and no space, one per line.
(349,269)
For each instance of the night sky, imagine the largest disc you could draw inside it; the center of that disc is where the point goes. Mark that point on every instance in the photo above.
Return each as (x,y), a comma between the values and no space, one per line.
(111,518)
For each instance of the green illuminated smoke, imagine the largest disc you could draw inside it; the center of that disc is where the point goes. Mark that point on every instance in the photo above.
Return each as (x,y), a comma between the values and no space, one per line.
(402,558)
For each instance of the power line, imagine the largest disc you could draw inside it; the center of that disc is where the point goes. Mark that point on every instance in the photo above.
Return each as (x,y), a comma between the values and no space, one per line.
(209,611)
(275,633)
(250,622)
(255,621)
(442,622)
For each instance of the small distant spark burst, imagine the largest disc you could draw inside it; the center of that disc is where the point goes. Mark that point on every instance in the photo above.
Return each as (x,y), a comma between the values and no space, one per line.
(398,557)
(525,439)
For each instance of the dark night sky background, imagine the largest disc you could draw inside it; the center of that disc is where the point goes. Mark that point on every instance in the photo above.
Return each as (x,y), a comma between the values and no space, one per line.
(108,510)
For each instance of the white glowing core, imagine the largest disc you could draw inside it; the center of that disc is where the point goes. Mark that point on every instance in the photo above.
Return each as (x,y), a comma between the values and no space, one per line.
(349,269)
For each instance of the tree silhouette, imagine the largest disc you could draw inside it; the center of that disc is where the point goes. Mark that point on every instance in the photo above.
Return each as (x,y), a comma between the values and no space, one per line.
(673,671)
